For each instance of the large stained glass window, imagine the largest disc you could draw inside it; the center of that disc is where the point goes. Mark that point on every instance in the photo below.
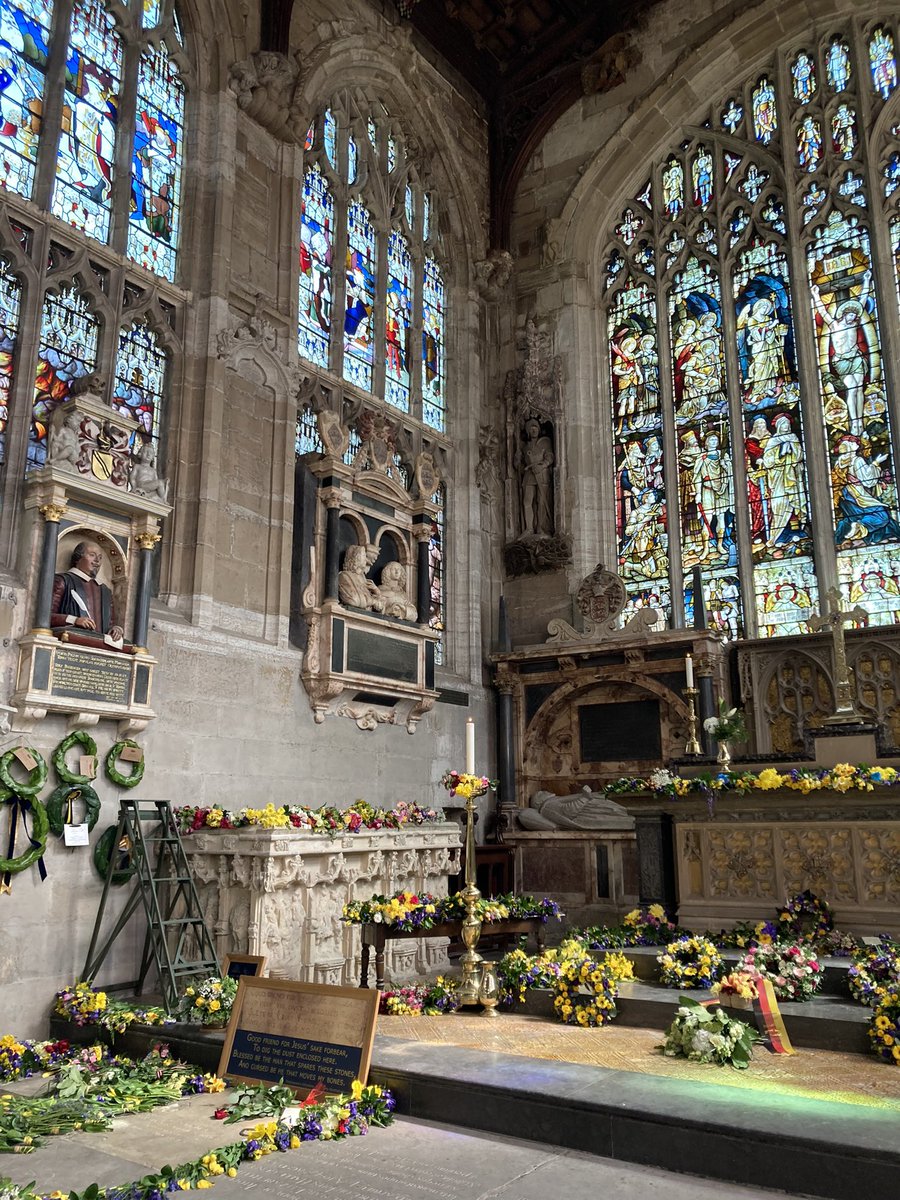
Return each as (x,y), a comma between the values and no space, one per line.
(433,407)
(10,304)
(397,319)
(67,351)
(24,47)
(359,346)
(437,582)
(316,245)
(140,380)
(723,444)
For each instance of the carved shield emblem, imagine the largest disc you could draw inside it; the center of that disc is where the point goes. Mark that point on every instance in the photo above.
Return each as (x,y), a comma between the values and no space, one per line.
(602,595)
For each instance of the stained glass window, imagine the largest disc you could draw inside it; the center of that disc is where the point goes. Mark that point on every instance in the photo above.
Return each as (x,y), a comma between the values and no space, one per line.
(150,12)
(360,285)
(433,346)
(837,65)
(330,137)
(310,137)
(843,131)
(732,116)
(409,207)
(24,38)
(391,154)
(156,164)
(10,303)
(397,322)
(426,216)
(352,160)
(702,176)
(809,143)
(372,131)
(765,113)
(140,380)
(87,145)
(307,439)
(882,62)
(436,577)
(67,350)
(316,248)
(673,188)
(803,75)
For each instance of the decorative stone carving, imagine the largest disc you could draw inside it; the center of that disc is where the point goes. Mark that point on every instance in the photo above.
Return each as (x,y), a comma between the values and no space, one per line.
(334,434)
(267,88)
(143,478)
(601,598)
(492,274)
(583,810)
(607,68)
(427,478)
(533,556)
(354,585)
(393,592)
(254,331)
(487,470)
(63,447)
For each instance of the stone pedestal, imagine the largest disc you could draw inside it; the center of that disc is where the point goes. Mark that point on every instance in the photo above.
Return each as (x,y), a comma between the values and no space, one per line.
(280,892)
(593,874)
(833,744)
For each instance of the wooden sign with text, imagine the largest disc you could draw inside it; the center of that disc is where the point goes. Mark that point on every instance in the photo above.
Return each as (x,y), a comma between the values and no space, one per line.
(303,1033)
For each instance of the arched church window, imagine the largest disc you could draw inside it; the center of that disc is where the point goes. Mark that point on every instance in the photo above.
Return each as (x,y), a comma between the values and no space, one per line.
(10,303)
(140,379)
(750,292)
(437,582)
(67,350)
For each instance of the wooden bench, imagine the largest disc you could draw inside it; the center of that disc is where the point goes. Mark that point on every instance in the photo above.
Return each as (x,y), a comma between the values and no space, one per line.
(378,935)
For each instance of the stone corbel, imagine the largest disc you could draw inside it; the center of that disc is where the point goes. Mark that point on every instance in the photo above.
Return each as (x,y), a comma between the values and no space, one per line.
(492,274)
(267,88)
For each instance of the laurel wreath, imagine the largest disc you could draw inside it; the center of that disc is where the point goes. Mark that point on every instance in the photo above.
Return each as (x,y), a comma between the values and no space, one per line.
(39,828)
(59,803)
(37,777)
(137,769)
(103,853)
(80,737)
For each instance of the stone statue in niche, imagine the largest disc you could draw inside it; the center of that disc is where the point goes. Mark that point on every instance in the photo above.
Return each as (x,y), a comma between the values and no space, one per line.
(63,447)
(354,586)
(81,605)
(144,479)
(585,810)
(394,594)
(537,480)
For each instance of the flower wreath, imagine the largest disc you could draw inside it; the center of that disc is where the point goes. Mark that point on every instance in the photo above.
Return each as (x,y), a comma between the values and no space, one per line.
(137,769)
(79,737)
(884,1029)
(584,992)
(690,962)
(61,799)
(37,837)
(873,973)
(37,776)
(793,969)
(125,867)
(805,918)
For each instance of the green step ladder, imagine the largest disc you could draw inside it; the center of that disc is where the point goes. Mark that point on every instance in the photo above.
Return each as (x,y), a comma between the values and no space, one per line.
(178,939)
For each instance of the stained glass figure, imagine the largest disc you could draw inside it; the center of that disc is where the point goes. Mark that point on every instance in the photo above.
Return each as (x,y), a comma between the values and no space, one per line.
(437,588)
(656,596)
(426,216)
(409,207)
(891,174)
(433,346)
(705,237)
(361,268)
(772,213)
(803,76)
(10,304)
(853,187)
(614,265)
(857,418)
(737,223)
(722,598)
(150,13)
(645,195)
(156,164)
(372,130)
(732,162)
(882,62)
(330,137)
(645,257)
(629,227)
(787,596)
(307,440)
(352,159)
(674,245)
(753,183)
(67,350)
(397,322)
(702,177)
(673,188)
(809,143)
(872,580)
(765,112)
(140,380)
(391,154)
(732,116)
(837,65)
(843,131)
(310,137)
(316,253)
(813,201)
(24,46)
(87,145)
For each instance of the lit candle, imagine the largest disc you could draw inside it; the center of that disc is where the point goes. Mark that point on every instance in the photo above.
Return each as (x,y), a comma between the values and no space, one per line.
(689,671)
(470,747)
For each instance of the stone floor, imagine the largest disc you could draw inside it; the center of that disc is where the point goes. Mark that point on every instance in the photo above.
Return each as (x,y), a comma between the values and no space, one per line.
(818,1074)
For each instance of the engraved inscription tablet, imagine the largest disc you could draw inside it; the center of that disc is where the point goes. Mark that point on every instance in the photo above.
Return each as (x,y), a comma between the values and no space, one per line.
(84,676)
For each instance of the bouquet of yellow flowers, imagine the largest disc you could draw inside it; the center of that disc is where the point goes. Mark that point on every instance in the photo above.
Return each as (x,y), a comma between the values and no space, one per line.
(208,1002)
(467,785)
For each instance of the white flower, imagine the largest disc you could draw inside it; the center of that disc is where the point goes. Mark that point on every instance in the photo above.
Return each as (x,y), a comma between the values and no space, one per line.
(711,724)
(661,778)
(701,1042)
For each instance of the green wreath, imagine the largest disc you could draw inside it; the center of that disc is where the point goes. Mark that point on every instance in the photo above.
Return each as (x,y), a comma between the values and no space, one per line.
(82,738)
(137,772)
(37,777)
(103,852)
(58,805)
(39,829)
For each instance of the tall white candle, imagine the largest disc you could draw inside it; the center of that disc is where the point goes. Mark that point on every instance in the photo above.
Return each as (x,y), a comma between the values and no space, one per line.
(470,746)
(689,671)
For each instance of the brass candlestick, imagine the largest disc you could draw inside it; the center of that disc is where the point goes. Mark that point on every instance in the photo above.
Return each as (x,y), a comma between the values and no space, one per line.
(470,963)
(692,746)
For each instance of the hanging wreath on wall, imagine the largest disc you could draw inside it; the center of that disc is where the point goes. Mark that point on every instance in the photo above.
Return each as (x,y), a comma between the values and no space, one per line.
(124,866)
(137,768)
(12,864)
(37,776)
(59,806)
(80,737)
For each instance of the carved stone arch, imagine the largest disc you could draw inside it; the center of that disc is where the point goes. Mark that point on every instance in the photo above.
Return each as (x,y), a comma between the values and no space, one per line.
(78,271)
(875,671)
(12,250)
(404,555)
(795,689)
(150,310)
(357,524)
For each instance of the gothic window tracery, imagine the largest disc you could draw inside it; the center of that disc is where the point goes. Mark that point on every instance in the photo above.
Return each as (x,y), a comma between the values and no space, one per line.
(755,279)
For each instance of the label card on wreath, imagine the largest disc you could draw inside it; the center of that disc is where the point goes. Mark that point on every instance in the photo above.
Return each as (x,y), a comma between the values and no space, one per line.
(132,754)
(87,766)
(26,758)
(306,1034)
(76,835)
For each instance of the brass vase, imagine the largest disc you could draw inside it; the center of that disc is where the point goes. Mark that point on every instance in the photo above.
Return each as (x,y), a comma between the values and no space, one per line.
(489,992)
(723,758)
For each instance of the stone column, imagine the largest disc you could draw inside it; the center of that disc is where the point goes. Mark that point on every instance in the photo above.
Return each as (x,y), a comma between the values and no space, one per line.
(146,541)
(707,701)
(332,544)
(51,514)
(507,807)
(423,580)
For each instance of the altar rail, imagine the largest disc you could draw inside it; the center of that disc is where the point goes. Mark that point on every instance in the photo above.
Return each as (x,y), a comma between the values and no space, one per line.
(280,892)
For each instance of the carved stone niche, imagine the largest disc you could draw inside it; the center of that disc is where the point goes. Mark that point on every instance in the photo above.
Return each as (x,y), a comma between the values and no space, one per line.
(100,485)
(370,652)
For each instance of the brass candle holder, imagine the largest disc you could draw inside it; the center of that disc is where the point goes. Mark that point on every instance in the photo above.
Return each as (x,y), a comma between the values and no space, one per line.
(692,746)
(470,963)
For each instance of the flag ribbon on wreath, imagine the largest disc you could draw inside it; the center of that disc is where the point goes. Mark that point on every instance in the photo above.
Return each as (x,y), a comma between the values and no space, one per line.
(767,1015)
(16,803)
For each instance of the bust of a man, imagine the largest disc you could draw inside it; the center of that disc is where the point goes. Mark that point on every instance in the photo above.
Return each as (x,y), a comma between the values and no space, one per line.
(354,586)
(585,810)
(83,604)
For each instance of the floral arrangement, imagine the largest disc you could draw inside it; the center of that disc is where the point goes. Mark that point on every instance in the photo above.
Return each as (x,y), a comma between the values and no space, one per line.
(328,820)
(738,983)
(585,992)
(651,925)
(81,1004)
(467,786)
(728,726)
(804,917)
(841,778)
(709,1035)
(690,961)
(518,972)
(793,969)
(874,972)
(20,1060)
(409,910)
(884,1028)
(208,1002)
(744,934)
(421,999)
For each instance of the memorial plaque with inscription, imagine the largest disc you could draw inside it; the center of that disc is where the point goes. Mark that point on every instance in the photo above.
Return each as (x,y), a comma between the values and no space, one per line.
(236,965)
(84,676)
(302,1033)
